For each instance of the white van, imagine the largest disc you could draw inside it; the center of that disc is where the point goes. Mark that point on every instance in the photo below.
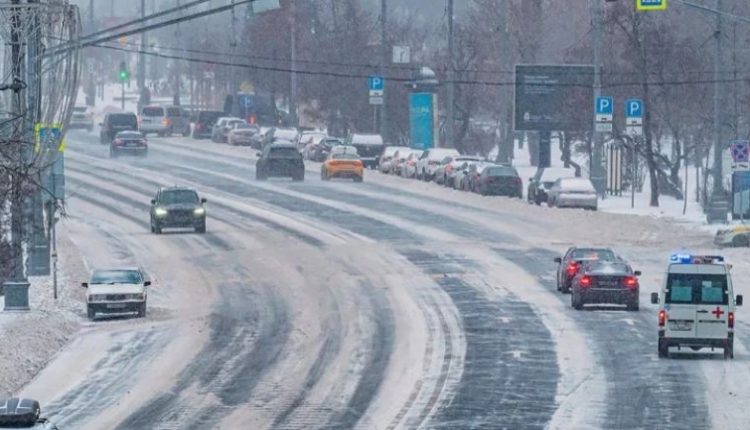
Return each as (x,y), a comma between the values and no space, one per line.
(697,305)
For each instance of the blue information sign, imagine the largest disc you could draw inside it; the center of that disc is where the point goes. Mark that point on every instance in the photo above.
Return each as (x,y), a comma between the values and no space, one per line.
(421,116)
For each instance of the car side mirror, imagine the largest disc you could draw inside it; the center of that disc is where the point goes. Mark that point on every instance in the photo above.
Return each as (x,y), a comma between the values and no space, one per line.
(85,284)
(558,260)
(147,284)
(655,298)
(204,200)
(637,273)
(738,300)
(101,124)
(257,154)
(153,201)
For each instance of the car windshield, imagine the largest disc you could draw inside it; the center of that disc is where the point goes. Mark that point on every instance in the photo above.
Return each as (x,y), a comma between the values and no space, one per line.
(123,119)
(153,111)
(500,171)
(116,277)
(607,267)
(697,289)
(178,196)
(345,156)
(593,254)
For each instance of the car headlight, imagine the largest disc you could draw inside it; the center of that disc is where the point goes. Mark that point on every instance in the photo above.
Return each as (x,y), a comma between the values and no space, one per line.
(97,298)
(199,211)
(160,212)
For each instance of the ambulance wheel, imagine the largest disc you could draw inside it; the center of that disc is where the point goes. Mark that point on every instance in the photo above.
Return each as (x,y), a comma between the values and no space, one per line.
(729,350)
(663,349)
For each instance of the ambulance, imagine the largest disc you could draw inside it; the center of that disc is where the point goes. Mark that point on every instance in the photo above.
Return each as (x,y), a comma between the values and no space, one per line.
(696,305)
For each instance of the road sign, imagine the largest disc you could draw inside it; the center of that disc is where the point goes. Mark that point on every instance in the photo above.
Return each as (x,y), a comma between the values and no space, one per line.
(648,5)
(401,54)
(376,84)
(377,100)
(603,109)
(634,130)
(633,112)
(603,127)
(740,150)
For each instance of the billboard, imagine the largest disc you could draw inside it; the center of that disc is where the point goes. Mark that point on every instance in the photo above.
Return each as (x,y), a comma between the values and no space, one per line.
(422,120)
(553,98)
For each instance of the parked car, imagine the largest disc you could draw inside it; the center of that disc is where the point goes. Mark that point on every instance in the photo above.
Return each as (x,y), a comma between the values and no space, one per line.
(309,136)
(242,133)
(399,158)
(114,123)
(498,180)
(116,291)
(430,160)
(128,142)
(409,166)
(153,119)
(343,162)
(369,147)
(23,413)
(222,127)
(178,207)
(736,236)
(445,172)
(81,119)
(386,159)
(606,282)
(204,123)
(471,175)
(178,121)
(573,193)
(281,134)
(542,181)
(280,160)
(323,149)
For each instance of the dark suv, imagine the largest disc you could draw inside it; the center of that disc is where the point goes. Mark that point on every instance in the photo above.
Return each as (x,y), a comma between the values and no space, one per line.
(178,120)
(281,160)
(178,207)
(114,123)
(204,123)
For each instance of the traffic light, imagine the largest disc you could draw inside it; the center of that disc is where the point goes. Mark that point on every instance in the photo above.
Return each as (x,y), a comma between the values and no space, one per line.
(124,73)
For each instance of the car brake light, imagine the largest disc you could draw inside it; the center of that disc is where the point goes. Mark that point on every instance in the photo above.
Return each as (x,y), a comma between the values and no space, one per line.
(630,282)
(572,269)
(165,121)
(585,281)
(198,127)
(662,318)
(118,142)
(730,319)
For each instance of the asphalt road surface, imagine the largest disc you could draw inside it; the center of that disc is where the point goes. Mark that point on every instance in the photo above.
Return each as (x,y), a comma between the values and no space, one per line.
(383,305)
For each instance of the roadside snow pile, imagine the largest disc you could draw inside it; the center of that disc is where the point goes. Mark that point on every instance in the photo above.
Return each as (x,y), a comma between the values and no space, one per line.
(30,339)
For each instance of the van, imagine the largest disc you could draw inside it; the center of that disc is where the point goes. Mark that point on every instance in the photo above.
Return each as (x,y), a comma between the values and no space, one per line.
(153,119)
(178,121)
(697,305)
(114,123)
(369,147)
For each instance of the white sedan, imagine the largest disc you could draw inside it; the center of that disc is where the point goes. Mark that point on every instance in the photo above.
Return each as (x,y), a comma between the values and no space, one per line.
(572,193)
(116,291)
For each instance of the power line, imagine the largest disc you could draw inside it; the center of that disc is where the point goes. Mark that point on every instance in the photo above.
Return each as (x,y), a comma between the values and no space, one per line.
(406,80)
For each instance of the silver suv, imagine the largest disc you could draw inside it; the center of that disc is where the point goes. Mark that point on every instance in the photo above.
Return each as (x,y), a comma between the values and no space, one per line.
(153,119)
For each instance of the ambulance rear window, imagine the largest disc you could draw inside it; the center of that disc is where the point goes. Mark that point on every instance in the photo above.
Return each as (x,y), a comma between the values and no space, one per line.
(697,289)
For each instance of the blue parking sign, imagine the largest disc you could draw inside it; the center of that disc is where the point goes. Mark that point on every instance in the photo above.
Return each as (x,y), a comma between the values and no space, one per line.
(376,83)
(603,106)
(634,108)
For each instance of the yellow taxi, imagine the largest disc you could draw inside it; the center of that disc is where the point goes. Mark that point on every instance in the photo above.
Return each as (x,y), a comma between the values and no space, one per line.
(343,162)
(737,236)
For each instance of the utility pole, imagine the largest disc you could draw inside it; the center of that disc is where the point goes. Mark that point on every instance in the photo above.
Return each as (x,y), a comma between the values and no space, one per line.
(177,71)
(90,63)
(141,61)
(383,64)
(718,188)
(17,138)
(450,119)
(293,55)
(595,168)
(233,52)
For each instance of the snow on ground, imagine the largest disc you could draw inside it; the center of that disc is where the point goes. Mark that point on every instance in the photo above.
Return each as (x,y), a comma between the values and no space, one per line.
(30,339)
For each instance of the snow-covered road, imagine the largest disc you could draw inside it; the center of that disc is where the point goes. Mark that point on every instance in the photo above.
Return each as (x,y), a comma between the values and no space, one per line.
(383,305)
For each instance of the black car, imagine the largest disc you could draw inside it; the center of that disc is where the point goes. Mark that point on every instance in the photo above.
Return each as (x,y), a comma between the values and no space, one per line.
(324,148)
(178,207)
(606,282)
(204,123)
(128,142)
(114,123)
(16,413)
(280,160)
(498,181)
(570,264)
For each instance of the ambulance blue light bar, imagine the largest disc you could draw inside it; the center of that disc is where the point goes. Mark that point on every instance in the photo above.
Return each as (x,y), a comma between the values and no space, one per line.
(695,259)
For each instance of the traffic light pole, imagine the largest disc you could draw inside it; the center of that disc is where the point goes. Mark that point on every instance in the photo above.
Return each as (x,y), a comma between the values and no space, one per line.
(122,99)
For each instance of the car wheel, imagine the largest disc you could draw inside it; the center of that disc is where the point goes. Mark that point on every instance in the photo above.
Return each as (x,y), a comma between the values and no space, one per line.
(299,178)
(663,349)
(157,228)
(142,310)
(112,154)
(324,175)
(741,241)
(201,228)
(90,313)
(729,349)
(260,174)
(358,179)
(633,306)
(576,301)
